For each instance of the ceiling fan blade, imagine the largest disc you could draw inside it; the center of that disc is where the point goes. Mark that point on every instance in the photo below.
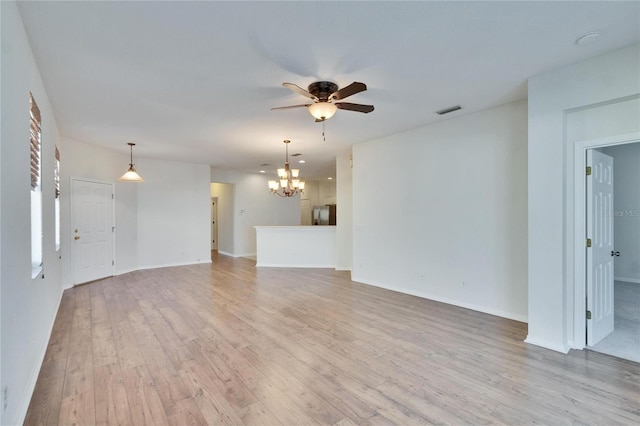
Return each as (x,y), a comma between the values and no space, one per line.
(289,107)
(299,90)
(354,107)
(352,89)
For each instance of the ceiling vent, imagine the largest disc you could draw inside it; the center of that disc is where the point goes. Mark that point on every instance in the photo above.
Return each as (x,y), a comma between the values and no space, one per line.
(448,110)
(296,154)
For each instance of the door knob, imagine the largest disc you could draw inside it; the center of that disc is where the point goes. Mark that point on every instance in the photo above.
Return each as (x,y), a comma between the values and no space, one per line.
(78,237)
(615,253)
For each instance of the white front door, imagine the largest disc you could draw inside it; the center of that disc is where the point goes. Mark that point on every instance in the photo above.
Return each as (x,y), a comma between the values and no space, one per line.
(599,256)
(91,230)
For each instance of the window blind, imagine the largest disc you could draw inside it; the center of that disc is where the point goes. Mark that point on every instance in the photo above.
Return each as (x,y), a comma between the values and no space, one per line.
(56,173)
(36,133)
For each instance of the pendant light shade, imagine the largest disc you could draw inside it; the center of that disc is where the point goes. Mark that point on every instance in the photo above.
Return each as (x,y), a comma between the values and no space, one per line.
(131,175)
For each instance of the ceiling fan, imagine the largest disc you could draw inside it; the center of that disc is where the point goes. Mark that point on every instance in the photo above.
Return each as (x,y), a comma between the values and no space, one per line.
(323,94)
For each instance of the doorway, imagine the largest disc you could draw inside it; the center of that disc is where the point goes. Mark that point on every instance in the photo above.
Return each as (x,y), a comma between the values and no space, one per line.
(623,336)
(92,230)
(607,314)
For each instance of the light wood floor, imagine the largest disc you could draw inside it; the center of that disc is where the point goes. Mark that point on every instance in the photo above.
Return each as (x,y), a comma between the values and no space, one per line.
(231,344)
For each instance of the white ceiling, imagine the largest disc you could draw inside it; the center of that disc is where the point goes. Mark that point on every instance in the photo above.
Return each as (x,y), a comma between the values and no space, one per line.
(195,81)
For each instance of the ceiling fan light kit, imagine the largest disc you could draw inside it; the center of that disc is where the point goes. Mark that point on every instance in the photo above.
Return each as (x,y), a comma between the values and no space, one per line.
(322,110)
(323,94)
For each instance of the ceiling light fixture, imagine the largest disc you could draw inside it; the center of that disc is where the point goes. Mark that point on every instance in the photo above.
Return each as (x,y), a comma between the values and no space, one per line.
(322,110)
(289,184)
(131,175)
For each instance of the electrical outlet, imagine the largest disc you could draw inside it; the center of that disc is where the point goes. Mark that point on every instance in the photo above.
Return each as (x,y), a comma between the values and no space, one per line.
(5,391)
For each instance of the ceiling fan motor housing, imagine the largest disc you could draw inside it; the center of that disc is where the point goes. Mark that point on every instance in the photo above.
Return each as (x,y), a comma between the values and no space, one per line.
(322,89)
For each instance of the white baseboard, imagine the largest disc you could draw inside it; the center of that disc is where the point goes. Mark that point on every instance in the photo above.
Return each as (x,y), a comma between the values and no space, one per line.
(547,344)
(245,255)
(25,400)
(343,268)
(424,295)
(169,265)
(125,271)
(627,280)
(236,255)
(297,265)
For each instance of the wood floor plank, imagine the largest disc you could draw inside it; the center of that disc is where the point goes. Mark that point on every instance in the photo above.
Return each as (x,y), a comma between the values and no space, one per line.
(44,408)
(112,406)
(226,381)
(213,405)
(258,414)
(78,404)
(142,396)
(229,343)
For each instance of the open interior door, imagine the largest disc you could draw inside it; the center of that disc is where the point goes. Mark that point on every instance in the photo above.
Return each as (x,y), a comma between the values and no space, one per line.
(599,246)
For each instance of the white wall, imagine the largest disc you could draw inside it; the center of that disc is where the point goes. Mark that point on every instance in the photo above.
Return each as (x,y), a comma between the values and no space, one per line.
(311,192)
(255,206)
(86,161)
(320,193)
(441,211)
(28,305)
(344,211)
(296,246)
(173,213)
(554,97)
(626,202)
(224,192)
(162,221)
(326,192)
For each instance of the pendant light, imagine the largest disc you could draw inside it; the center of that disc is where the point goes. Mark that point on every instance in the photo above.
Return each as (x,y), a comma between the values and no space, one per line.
(131,175)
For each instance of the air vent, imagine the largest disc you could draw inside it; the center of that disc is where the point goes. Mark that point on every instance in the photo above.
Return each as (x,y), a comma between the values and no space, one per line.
(264,164)
(296,155)
(448,110)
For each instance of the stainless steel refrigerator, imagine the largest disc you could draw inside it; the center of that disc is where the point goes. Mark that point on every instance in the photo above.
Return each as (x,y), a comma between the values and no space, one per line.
(324,215)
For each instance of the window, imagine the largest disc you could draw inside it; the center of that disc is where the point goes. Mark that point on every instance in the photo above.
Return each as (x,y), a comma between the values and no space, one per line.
(36,187)
(56,181)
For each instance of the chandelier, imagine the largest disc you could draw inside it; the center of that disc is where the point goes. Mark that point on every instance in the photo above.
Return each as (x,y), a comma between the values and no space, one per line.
(289,184)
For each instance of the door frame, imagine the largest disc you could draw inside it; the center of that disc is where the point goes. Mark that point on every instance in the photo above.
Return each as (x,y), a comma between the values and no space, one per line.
(214,225)
(580,215)
(113,223)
